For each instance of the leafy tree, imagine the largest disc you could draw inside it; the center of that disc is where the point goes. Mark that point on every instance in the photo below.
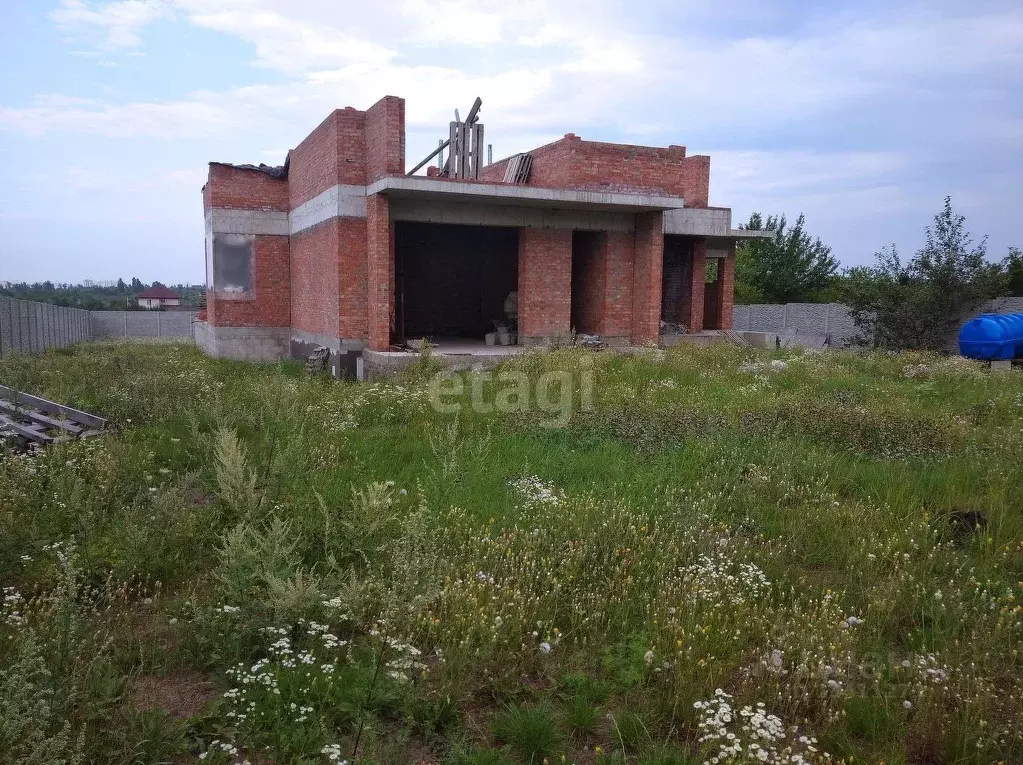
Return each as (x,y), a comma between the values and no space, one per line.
(136,284)
(122,288)
(919,304)
(1013,266)
(791,267)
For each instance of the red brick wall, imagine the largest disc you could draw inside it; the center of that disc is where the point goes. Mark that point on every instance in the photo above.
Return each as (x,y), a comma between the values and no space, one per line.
(646,282)
(379,272)
(545,158)
(335,152)
(603,265)
(351,147)
(241,189)
(618,275)
(314,268)
(385,138)
(545,282)
(328,274)
(597,166)
(589,260)
(270,305)
(352,278)
(692,308)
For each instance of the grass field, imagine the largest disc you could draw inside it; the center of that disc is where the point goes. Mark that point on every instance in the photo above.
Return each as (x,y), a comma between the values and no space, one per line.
(729,557)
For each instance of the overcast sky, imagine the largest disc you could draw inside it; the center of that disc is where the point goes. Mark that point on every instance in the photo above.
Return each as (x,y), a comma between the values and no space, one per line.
(863,115)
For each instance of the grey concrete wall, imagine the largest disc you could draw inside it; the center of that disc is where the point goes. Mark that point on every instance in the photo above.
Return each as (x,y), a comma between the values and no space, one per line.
(30,327)
(142,325)
(268,344)
(813,323)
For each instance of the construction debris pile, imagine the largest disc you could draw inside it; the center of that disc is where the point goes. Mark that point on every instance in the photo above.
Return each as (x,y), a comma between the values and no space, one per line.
(32,420)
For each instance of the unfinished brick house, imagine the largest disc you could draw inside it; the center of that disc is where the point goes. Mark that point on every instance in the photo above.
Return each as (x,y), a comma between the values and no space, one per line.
(340,248)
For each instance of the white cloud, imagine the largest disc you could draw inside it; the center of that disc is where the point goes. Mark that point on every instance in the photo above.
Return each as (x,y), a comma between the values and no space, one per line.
(75,180)
(288,44)
(838,115)
(198,115)
(778,174)
(120,22)
(583,68)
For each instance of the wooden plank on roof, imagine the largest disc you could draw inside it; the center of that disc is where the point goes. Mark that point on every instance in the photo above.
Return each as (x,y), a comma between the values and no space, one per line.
(525,165)
(49,407)
(474,111)
(477,150)
(449,167)
(433,154)
(510,169)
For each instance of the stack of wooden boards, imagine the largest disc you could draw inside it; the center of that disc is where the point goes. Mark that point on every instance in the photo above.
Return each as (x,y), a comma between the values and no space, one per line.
(44,422)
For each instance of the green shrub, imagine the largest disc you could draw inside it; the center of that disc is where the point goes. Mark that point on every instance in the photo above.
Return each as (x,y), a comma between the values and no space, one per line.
(531,731)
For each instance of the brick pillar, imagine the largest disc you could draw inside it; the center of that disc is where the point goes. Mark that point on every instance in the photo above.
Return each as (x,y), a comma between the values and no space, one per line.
(385,138)
(545,284)
(726,296)
(618,274)
(646,283)
(379,270)
(693,315)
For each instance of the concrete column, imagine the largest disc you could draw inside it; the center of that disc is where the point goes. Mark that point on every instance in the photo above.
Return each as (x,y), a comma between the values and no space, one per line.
(545,284)
(693,313)
(379,271)
(647,272)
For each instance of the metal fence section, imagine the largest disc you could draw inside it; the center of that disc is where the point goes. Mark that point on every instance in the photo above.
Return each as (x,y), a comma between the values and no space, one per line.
(30,327)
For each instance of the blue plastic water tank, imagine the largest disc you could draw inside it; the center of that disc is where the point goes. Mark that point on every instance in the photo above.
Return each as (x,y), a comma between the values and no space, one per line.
(992,336)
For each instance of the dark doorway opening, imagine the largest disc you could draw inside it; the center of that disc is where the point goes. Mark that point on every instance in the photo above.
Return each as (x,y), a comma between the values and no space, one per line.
(587,311)
(712,295)
(452,281)
(677,280)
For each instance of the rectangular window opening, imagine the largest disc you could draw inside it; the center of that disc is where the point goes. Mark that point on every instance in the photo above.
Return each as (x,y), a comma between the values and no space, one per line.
(232,265)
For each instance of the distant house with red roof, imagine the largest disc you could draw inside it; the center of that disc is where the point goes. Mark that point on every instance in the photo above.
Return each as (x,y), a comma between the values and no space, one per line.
(158,297)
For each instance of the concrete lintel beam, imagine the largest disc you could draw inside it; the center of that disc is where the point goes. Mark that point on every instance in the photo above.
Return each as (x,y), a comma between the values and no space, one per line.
(222,220)
(416,187)
(433,211)
(741,233)
(694,221)
(339,201)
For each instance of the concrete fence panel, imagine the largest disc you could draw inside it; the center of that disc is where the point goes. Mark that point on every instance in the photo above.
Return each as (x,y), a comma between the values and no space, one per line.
(142,325)
(740,318)
(816,323)
(767,318)
(30,327)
